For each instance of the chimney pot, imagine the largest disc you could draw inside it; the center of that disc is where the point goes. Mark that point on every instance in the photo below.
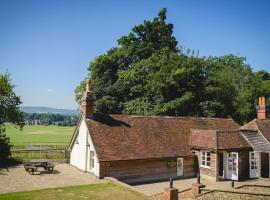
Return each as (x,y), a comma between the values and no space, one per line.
(87,105)
(261,111)
(88,85)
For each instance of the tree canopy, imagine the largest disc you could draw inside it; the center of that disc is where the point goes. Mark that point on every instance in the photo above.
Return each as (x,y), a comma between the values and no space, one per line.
(9,112)
(148,73)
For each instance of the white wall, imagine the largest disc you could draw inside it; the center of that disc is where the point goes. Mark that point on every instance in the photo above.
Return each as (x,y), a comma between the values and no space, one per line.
(80,153)
(94,170)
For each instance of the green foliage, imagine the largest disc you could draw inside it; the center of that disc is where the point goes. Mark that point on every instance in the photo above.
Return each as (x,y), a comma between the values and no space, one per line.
(9,112)
(147,74)
(4,145)
(50,119)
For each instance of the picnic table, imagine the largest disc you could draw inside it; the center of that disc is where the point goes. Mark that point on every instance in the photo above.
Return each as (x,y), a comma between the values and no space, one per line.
(33,165)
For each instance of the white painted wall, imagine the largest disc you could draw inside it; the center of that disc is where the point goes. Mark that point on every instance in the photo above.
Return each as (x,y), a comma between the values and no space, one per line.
(94,170)
(80,152)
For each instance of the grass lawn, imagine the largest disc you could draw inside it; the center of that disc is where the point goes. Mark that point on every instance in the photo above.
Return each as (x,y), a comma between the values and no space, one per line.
(54,135)
(94,192)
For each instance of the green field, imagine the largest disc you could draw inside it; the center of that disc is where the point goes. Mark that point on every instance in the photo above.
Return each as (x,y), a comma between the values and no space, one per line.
(93,192)
(42,135)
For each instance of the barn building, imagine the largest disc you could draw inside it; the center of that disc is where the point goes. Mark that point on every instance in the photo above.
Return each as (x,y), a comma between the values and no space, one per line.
(148,148)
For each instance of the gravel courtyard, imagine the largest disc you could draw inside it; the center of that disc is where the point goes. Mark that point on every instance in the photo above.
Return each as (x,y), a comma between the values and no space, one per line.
(16,179)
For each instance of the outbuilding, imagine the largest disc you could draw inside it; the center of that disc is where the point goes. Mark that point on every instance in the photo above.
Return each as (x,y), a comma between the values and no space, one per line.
(148,148)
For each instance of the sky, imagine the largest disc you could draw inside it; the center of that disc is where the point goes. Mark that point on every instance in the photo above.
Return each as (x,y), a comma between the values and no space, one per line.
(47,45)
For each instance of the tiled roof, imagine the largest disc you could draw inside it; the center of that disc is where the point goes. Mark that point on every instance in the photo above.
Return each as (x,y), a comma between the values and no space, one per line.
(231,140)
(256,124)
(214,139)
(125,137)
(251,126)
(203,138)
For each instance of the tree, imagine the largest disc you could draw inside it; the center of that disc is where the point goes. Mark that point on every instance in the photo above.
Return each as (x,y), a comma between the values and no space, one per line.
(148,74)
(164,84)
(9,112)
(240,86)
(139,44)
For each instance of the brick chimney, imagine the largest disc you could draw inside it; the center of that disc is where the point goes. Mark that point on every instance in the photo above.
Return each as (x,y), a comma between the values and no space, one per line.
(87,107)
(261,109)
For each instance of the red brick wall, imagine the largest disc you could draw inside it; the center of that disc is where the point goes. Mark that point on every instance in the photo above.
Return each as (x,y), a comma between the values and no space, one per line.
(208,171)
(145,170)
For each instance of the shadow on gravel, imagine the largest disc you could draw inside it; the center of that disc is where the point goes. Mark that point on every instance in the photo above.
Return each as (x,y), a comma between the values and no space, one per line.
(10,162)
(42,173)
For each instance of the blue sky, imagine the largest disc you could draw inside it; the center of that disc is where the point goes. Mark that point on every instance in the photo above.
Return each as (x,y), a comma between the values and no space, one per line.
(46,45)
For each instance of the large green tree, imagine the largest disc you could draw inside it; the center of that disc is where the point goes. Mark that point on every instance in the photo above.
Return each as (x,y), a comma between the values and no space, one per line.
(149,74)
(9,112)
(140,44)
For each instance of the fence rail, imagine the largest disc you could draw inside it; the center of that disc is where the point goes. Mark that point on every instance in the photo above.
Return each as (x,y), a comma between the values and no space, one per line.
(49,152)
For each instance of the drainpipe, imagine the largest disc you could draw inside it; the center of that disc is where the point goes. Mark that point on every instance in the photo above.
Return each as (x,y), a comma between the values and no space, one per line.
(217,157)
(269,164)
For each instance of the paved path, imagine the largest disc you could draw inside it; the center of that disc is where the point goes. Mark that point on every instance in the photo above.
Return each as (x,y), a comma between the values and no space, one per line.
(156,188)
(17,179)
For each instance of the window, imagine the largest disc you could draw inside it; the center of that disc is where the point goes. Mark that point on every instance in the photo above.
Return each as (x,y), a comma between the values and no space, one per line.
(205,159)
(92,160)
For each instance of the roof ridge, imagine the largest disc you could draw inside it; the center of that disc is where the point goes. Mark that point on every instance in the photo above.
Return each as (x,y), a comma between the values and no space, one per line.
(167,116)
(178,117)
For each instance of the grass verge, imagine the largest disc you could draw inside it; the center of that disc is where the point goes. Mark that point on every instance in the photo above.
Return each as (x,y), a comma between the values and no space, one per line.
(94,192)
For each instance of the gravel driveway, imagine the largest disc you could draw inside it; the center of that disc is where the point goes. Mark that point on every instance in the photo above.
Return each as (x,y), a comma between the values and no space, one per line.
(16,179)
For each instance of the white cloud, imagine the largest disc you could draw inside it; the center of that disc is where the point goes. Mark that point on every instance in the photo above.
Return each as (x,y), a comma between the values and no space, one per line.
(50,90)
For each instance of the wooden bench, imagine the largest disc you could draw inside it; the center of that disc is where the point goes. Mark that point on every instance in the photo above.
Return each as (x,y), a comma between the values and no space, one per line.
(33,165)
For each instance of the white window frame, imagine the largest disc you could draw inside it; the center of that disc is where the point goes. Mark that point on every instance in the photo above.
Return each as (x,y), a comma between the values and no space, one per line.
(204,160)
(92,159)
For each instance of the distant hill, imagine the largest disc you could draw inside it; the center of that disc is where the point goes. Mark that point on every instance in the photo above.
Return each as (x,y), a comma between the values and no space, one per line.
(40,109)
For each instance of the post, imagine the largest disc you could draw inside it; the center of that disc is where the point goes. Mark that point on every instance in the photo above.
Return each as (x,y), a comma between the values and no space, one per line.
(171,193)
(196,188)
(232,183)
(171,182)
(198,178)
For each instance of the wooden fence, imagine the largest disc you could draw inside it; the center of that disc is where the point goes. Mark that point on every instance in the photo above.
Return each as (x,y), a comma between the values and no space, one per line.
(49,152)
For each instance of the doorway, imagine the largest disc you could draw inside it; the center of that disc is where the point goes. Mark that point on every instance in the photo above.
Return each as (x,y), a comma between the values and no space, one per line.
(265,165)
(254,164)
(220,164)
(232,170)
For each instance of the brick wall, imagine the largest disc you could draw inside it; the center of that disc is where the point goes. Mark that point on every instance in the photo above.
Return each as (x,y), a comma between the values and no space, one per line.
(145,170)
(211,172)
